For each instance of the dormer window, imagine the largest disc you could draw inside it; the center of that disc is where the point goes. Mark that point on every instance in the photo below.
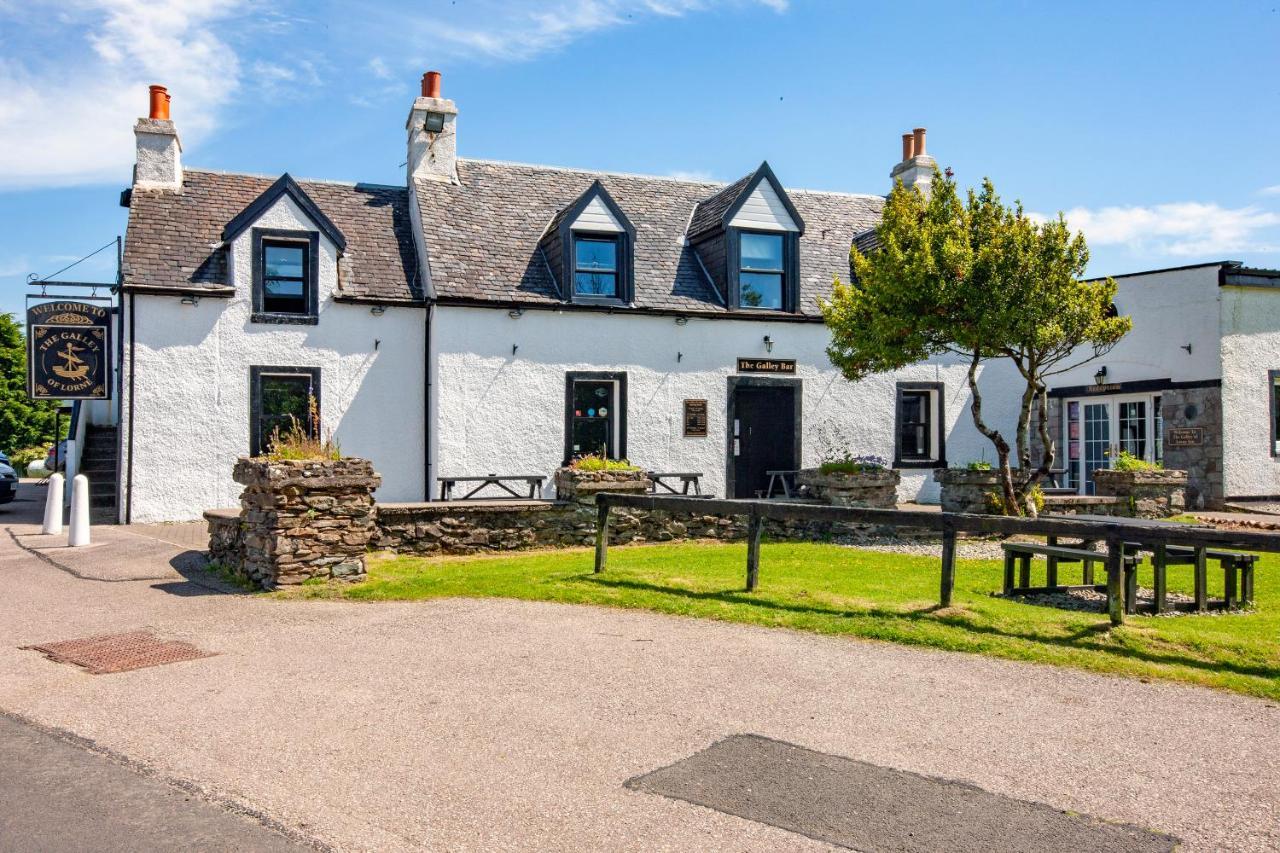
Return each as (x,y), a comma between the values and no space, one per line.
(284,277)
(285,286)
(762,270)
(595,269)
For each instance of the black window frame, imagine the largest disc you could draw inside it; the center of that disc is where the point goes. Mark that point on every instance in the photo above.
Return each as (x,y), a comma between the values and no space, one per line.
(935,422)
(620,407)
(256,373)
(1273,377)
(618,239)
(790,268)
(262,237)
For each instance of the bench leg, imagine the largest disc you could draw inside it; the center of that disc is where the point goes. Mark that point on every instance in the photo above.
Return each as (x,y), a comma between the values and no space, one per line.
(1024,571)
(1087,569)
(1008,572)
(1051,566)
(1229,596)
(1246,583)
(1158,564)
(1202,580)
(1130,587)
(1115,582)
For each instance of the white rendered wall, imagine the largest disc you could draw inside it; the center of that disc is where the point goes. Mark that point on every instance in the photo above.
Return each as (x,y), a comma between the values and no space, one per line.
(499,413)
(192,385)
(1250,348)
(1170,310)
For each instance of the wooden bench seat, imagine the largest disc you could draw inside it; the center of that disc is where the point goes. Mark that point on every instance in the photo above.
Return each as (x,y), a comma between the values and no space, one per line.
(1020,554)
(1237,572)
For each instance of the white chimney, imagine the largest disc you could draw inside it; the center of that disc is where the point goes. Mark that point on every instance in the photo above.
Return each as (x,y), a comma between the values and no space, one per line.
(159,163)
(916,168)
(433,134)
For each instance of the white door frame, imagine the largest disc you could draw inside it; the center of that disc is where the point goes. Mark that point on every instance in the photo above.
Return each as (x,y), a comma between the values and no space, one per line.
(1075,466)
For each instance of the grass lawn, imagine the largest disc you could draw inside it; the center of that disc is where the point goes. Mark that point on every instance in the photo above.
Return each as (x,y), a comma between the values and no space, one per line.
(831,589)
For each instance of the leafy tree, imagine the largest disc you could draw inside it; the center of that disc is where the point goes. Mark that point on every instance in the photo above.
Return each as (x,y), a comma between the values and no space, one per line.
(983,281)
(23,422)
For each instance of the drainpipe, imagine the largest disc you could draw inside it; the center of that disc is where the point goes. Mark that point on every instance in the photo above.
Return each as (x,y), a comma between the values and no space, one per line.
(128,503)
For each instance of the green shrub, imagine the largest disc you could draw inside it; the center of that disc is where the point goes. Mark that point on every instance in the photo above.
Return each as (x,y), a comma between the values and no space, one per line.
(981,465)
(600,462)
(24,457)
(298,443)
(1126,461)
(854,465)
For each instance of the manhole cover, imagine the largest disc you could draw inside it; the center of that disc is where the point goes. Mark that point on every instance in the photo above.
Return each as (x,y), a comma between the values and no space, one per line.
(119,652)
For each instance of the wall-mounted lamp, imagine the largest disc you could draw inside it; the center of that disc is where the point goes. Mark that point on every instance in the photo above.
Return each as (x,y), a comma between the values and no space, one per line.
(191,300)
(515,313)
(377,342)
(1100,378)
(514,347)
(679,357)
(378,310)
(1187,347)
(682,321)
(768,344)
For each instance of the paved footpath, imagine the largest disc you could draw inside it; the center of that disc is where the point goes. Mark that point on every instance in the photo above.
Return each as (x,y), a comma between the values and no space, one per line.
(483,725)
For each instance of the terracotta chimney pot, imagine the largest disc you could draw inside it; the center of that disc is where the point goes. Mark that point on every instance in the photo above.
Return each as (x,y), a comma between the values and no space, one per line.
(908,146)
(919,141)
(431,84)
(159,103)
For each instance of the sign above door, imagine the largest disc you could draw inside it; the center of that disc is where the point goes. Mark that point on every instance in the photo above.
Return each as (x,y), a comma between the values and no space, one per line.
(785,366)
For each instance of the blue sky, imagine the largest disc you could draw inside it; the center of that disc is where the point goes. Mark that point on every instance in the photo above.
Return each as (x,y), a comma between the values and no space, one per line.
(1155,126)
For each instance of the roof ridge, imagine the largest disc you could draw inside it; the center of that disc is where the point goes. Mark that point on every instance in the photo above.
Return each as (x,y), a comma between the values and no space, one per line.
(268,177)
(714,183)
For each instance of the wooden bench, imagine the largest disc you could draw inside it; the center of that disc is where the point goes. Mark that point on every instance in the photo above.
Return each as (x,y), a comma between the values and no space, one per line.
(1237,572)
(686,478)
(533,482)
(1019,554)
(785,479)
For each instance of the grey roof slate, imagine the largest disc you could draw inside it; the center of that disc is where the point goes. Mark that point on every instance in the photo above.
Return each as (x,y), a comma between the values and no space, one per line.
(174,239)
(710,211)
(482,234)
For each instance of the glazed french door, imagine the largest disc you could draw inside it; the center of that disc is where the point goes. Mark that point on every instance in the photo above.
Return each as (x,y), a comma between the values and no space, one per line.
(1096,429)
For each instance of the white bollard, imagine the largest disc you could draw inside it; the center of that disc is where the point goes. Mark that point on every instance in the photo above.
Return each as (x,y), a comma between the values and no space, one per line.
(79,533)
(53,506)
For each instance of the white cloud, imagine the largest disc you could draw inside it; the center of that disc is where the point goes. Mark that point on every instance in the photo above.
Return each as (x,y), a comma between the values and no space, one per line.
(378,67)
(1180,228)
(502,30)
(691,175)
(1273,190)
(67,115)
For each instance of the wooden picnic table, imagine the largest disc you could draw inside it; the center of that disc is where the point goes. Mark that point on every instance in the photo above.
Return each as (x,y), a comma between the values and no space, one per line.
(532,481)
(787,479)
(686,478)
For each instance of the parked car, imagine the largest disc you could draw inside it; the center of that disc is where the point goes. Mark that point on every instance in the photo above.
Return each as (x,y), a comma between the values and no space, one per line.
(8,482)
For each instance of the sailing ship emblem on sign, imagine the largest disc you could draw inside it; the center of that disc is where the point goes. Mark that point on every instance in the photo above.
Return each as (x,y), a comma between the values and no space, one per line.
(69,357)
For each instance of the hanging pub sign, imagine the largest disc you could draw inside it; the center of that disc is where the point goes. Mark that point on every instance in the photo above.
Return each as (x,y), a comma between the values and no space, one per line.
(695,418)
(767,365)
(68,351)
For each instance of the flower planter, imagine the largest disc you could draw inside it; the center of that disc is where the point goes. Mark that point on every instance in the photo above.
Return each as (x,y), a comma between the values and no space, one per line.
(964,490)
(303,519)
(877,487)
(573,484)
(1148,494)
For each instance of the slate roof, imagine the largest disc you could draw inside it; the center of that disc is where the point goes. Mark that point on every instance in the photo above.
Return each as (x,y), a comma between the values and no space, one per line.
(710,211)
(482,234)
(174,239)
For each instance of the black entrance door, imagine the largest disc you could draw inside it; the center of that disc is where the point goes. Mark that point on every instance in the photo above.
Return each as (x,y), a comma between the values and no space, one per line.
(764,436)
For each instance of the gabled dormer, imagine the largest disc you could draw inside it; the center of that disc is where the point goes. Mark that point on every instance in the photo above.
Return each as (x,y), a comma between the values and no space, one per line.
(589,247)
(285,261)
(747,237)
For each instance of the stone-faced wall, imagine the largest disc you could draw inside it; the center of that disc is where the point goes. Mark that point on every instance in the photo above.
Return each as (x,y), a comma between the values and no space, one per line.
(298,520)
(967,491)
(1196,408)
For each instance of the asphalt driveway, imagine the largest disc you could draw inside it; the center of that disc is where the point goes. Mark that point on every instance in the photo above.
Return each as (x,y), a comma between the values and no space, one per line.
(468,724)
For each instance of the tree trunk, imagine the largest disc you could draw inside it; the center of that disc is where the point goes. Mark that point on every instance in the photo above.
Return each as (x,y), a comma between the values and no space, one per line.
(1002,446)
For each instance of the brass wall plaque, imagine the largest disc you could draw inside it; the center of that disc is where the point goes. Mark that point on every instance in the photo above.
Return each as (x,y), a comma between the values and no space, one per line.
(785,366)
(1185,437)
(695,418)
(69,351)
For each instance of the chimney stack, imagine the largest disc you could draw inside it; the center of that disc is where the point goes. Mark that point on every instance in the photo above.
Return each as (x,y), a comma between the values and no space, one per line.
(433,134)
(916,168)
(159,163)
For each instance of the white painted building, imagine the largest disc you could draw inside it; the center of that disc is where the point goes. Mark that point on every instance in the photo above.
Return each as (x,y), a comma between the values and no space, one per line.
(498,318)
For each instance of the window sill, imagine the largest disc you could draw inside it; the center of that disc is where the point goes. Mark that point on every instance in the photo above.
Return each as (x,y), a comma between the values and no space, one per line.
(919,463)
(284,319)
(582,299)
